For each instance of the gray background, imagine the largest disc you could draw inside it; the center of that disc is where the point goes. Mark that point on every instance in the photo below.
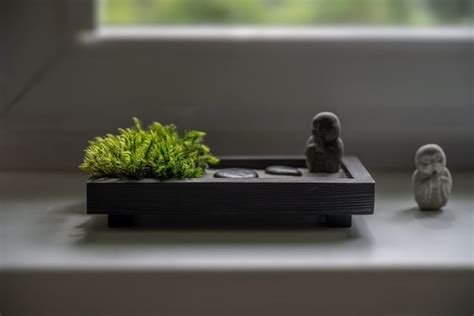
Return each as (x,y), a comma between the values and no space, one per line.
(252,96)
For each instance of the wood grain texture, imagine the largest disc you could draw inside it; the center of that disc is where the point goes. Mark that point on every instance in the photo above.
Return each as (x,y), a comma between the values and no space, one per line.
(303,200)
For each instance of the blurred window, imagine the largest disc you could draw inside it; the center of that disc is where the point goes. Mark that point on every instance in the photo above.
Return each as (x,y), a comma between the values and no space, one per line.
(285,12)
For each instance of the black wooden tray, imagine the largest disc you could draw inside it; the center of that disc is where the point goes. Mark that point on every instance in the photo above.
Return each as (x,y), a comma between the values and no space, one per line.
(270,200)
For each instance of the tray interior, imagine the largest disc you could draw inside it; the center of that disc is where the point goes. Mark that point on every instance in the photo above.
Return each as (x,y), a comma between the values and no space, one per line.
(258,164)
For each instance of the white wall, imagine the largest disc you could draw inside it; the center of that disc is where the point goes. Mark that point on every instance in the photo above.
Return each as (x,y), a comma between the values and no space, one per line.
(251,96)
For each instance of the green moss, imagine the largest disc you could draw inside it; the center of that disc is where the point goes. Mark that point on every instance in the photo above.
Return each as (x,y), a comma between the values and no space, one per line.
(157,152)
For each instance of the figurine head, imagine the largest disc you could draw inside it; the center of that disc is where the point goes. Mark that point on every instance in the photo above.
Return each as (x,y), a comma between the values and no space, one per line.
(326,126)
(430,158)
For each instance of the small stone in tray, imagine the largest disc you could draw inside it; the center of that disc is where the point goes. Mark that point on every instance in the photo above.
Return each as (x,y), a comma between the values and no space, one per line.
(283,171)
(236,173)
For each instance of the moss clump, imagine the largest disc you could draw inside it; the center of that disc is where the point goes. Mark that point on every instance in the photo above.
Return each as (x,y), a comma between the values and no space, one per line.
(157,152)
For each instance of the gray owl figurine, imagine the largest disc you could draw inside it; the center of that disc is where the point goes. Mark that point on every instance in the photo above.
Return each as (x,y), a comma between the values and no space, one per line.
(432,181)
(324,149)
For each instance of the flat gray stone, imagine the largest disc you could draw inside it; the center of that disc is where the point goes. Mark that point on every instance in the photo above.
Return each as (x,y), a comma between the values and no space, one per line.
(283,171)
(236,173)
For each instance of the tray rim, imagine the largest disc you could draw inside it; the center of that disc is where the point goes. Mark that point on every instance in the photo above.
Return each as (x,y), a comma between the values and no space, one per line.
(351,165)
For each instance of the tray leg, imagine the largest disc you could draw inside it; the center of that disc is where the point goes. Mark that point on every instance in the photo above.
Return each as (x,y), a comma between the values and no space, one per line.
(120,220)
(339,220)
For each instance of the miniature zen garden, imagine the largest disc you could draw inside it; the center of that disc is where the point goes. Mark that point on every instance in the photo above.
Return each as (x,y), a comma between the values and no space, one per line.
(143,173)
(159,152)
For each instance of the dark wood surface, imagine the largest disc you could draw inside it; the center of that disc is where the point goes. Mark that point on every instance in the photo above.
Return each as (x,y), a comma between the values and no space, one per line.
(288,200)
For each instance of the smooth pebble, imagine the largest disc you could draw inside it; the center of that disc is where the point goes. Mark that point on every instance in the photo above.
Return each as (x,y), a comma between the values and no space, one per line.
(236,173)
(283,170)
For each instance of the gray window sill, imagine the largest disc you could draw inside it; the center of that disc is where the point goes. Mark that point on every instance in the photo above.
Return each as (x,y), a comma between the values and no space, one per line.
(44,214)
(385,263)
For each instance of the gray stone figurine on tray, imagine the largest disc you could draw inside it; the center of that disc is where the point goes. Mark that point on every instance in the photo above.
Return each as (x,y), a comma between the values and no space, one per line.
(432,181)
(324,149)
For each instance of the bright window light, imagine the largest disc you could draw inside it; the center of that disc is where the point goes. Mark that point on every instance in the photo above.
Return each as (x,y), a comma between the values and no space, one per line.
(285,12)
